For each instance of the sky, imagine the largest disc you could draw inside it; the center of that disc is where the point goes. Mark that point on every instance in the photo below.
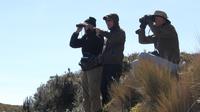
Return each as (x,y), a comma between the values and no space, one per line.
(35,34)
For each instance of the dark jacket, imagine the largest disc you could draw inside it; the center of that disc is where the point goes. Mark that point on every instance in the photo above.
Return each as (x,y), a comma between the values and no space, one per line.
(165,40)
(91,47)
(113,53)
(90,43)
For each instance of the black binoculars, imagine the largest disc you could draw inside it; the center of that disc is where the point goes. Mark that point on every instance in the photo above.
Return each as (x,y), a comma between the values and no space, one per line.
(81,25)
(145,19)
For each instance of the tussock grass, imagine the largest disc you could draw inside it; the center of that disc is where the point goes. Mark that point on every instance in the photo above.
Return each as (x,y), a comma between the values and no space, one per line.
(160,90)
(195,75)
(155,82)
(183,97)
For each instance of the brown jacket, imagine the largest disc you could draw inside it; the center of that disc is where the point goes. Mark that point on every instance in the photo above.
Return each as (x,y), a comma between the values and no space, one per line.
(165,40)
(113,53)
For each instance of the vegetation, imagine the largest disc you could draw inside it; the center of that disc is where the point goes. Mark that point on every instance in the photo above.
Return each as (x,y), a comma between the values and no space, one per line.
(10,108)
(159,89)
(58,95)
(146,88)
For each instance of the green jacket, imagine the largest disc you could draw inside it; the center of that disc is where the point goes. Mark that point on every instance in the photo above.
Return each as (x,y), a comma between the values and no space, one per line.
(113,53)
(165,40)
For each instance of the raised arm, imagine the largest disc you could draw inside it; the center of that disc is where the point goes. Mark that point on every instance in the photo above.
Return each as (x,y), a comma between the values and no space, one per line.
(74,41)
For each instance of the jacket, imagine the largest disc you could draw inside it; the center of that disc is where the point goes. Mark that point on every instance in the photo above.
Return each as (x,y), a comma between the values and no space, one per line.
(90,44)
(113,53)
(165,40)
(91,48)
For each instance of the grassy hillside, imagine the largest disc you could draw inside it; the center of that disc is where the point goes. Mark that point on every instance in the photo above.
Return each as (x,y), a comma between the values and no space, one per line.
(147,88)
(10,108)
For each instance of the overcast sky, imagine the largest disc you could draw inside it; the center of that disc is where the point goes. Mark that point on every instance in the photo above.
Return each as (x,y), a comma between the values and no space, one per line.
(35,34)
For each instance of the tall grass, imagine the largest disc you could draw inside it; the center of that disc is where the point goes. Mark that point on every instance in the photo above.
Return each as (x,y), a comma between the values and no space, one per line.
(124,94)
(177,99)
(195,75)
(155,82)
(160,90)
(187,91)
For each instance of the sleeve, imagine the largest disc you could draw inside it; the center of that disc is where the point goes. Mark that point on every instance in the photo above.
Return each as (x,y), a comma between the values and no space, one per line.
(120,37)
(101,45)
(167,31)
(75,42)
(145,39)
(105,34)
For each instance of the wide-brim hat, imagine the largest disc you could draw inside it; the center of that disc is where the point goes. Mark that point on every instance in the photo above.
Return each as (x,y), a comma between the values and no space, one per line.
(161,14)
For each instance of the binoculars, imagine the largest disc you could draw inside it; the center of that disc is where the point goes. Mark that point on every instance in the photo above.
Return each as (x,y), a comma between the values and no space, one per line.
(145,19)
(81,25)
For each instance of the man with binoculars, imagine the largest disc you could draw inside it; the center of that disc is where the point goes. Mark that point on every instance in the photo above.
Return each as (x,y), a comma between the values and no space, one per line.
(164,38)
(91,48)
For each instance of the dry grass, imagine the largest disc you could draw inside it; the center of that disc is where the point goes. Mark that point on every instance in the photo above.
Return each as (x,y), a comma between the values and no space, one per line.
(155,82)
(195,75)
(124,94)
(10,108)
(178,99)
(160,89)
(183,97)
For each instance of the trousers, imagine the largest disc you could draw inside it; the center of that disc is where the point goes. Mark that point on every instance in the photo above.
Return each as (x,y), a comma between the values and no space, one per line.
(91,80)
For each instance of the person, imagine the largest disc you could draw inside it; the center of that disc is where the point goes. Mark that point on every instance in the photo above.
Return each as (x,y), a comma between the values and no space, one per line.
(91,47)
(113,54)
(164,38)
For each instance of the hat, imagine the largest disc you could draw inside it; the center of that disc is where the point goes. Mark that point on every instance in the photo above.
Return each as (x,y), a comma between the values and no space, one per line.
(112,16)
(160,14)
(91,20)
